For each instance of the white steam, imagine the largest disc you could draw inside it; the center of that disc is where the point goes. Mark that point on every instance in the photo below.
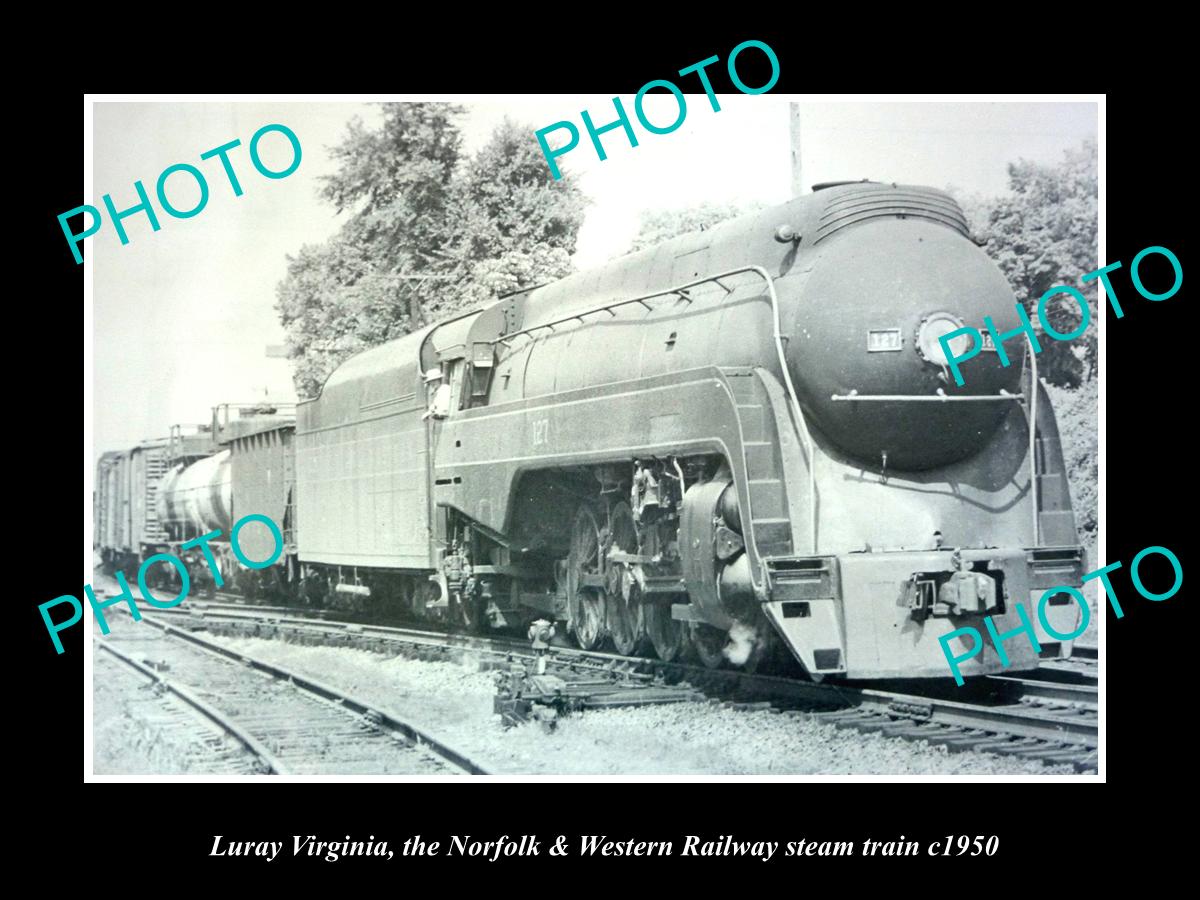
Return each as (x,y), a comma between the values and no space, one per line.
(742,639)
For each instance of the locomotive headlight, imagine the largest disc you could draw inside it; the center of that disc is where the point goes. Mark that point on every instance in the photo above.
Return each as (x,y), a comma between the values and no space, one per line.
(932,327)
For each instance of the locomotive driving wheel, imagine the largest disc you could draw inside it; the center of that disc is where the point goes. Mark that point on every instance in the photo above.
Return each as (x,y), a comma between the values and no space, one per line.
(665,633)
(585,564)
(623,595)
(709,644)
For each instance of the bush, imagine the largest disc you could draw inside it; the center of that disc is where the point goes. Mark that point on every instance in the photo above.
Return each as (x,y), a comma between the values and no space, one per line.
(1077,410)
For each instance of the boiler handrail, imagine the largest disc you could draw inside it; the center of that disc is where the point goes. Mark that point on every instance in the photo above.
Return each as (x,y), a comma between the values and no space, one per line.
(801,422)
(681,292)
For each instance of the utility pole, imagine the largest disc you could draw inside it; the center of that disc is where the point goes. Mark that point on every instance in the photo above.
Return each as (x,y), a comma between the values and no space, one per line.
(415,311)
(797,180)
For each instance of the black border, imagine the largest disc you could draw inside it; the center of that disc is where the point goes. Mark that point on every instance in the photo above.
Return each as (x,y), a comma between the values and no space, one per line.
(1147,401)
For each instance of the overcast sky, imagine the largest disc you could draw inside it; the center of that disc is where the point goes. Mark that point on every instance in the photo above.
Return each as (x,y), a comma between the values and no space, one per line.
(183,315)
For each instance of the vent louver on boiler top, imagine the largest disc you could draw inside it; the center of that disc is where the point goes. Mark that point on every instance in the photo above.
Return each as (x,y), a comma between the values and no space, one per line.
(856,206)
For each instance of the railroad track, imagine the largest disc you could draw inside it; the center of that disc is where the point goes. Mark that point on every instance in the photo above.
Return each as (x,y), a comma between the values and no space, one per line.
(1036,691)
(1031,718)
(1069,681)
(1059,682)
(1075,670)
(199,739)
(284,722)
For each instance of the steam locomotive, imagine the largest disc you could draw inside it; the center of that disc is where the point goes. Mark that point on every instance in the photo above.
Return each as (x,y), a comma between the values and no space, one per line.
(739,443)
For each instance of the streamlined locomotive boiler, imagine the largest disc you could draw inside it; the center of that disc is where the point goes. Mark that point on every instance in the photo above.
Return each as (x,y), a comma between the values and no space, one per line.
(739,440)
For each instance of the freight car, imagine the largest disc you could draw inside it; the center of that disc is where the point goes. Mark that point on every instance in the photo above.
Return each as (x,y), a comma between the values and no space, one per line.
(125,511)
(161,495)
(739,440)
(250,447)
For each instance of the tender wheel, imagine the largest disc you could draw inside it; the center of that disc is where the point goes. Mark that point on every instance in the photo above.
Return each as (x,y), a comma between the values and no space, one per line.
(626,623)
(709,644)
(584,559)
(667,635)
(427,592)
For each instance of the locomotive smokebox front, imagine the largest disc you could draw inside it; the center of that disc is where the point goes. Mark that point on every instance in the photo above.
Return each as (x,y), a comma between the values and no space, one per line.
(863,343)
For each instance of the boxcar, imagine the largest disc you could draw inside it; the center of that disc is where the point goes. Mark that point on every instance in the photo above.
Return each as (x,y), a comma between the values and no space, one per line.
(126,488)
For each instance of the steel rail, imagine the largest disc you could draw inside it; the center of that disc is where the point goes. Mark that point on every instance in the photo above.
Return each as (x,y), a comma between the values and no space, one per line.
(1014,720)
(1087,694)
(418,737)
(272,763)
(1082,653)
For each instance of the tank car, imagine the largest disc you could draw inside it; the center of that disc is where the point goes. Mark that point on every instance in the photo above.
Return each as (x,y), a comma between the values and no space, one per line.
(162,494)
(129,525)
(739,440)
(195,499)
(246,468)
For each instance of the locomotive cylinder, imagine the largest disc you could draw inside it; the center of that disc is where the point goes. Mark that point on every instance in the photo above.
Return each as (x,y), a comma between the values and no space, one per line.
(728,509)
(720,589)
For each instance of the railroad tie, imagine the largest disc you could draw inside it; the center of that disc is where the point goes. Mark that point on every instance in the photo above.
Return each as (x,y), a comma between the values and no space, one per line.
(1009,746)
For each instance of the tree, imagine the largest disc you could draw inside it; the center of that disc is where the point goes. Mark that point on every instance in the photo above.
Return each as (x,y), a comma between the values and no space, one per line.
(1042,234)
(480,227)
(513,224)
(398,180)
(661,225)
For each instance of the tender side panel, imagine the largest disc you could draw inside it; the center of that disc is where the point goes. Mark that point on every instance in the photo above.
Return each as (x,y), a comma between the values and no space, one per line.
(361,464)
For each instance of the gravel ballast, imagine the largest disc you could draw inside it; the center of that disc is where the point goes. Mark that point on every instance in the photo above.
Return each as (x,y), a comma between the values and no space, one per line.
(454,701)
